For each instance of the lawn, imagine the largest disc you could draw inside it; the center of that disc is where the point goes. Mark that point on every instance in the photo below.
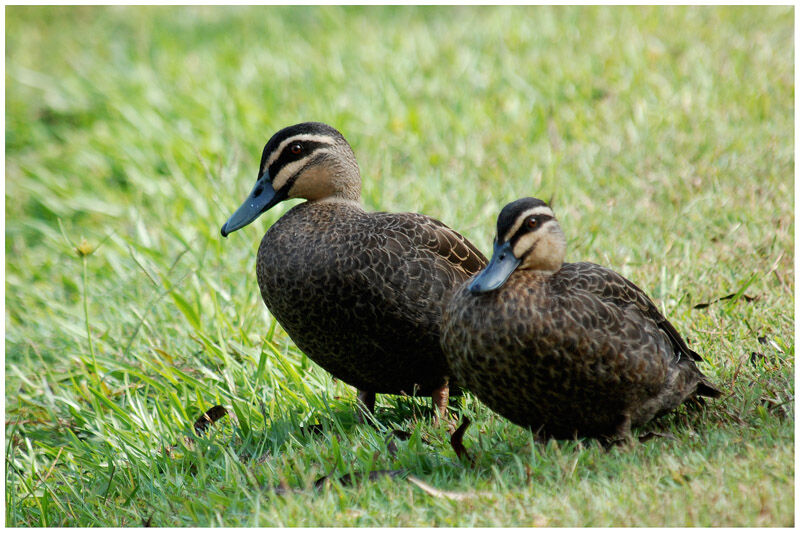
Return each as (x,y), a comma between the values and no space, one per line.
(663,136)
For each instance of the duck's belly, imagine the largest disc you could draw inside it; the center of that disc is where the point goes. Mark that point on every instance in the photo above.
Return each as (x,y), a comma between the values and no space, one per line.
(346,318)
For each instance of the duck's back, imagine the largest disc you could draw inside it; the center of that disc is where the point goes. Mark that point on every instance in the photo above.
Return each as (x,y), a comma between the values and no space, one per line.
(361,293)
(583,346)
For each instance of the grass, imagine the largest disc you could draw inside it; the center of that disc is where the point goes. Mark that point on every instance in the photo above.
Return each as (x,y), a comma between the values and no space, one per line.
(663,135)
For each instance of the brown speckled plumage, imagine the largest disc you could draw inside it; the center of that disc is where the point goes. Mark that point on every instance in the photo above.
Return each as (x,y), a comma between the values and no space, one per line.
(580,351)
(360,293)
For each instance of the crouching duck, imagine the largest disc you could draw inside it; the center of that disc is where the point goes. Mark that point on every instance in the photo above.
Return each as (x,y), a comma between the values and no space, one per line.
(567,349)
(360,293)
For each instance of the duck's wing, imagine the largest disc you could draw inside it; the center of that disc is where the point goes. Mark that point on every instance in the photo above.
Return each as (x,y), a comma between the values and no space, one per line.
(430,236)
(612,287)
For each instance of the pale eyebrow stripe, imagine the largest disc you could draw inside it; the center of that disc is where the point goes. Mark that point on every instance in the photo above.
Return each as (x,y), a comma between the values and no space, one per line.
(324,139)
(539,210)
(526,241)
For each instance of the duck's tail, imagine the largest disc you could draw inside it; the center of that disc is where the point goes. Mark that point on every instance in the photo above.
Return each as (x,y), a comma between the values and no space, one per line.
(705,388)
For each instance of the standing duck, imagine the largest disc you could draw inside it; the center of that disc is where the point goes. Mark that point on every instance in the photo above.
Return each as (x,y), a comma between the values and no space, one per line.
(360,293)
(567,349)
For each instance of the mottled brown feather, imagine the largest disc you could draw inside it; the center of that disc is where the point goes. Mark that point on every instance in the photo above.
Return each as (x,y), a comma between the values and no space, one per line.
(361,293)
(622,292)
(577,352)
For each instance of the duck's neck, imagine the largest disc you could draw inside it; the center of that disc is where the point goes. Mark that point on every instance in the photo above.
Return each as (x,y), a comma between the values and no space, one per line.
(340,183)
(345,187)
(348,188)
(338,200)
(346,180)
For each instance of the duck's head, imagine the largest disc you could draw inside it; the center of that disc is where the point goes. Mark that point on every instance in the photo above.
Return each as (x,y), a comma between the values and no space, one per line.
(310,160)
(528,238)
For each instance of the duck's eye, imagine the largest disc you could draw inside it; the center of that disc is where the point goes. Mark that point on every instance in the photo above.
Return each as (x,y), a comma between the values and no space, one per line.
(296,148)
(532,222)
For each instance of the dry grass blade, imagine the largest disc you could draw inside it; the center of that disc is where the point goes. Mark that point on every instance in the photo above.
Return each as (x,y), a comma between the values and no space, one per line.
(456,441)
(744,297)
(208,418)
(200,426)
(447,494)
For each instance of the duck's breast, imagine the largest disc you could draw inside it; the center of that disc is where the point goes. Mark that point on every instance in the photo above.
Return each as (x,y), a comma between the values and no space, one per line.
(358,295)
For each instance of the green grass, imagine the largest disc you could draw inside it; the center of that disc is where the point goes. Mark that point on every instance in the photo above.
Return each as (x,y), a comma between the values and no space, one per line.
(665,137)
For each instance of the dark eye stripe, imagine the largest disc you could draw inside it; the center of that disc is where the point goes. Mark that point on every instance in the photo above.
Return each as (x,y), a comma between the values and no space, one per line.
(524,229)
(541,219)
(286,157)
(293,178)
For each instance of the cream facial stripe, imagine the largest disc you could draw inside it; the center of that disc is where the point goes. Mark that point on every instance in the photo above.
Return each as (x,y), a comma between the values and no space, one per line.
(290,169)
(324,139)
(540,210)
(525,243)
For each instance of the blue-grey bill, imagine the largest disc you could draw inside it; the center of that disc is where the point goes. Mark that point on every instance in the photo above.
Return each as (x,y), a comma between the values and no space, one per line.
(497,271)
(260,199)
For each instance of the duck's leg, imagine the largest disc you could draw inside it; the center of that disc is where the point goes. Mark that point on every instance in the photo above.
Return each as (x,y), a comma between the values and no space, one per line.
(623,436)
(440,398)
(365,404)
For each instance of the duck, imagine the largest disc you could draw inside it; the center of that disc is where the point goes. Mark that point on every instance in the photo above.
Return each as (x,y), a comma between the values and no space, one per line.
(568,350)
(360,293)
